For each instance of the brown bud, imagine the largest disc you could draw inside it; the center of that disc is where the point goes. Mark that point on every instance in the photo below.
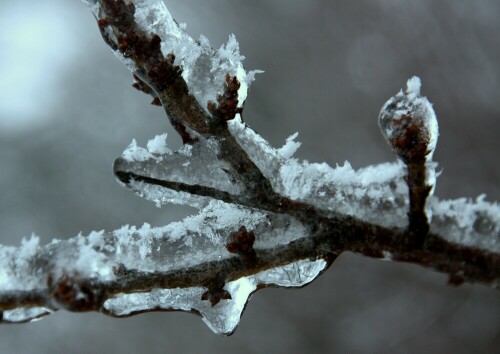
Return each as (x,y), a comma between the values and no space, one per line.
(409,124)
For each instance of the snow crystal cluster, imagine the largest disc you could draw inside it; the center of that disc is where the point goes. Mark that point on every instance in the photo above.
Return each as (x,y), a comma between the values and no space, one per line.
(187,166)
(203,68)
(376,194)
(16,271)
(473,223)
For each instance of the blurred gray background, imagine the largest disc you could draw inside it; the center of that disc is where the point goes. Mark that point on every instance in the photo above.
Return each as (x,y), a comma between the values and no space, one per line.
(67,110)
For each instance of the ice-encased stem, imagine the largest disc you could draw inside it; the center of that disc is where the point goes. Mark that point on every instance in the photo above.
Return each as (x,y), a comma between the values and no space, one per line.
(303,215)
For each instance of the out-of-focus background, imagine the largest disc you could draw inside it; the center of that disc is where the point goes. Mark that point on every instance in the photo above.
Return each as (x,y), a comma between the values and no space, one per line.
(67,110)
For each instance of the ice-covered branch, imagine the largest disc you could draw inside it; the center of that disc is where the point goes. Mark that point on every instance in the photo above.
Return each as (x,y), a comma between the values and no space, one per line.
(265,219)
(200,264)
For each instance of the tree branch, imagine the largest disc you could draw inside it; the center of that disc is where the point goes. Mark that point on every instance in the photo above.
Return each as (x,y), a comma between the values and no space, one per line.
(266,219)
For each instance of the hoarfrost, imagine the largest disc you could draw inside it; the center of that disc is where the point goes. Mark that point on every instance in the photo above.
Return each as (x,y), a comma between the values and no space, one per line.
(195,240)
(290,147)
(462,221)
(404,111)
(187,166)
(374,194)
(136,153)
(18,267)
(203,68)
(413,86)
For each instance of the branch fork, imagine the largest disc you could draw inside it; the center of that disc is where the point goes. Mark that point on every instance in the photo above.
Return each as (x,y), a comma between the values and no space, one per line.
(266,219)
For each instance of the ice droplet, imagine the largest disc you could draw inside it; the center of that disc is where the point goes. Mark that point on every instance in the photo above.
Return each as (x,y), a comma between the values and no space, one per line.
(21,315)
(224,317)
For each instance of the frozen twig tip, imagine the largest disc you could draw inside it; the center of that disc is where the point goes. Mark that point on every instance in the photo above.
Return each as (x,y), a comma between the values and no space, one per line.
(409,124)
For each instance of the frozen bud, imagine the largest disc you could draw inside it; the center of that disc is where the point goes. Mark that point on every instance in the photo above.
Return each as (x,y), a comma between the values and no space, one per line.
(409,124)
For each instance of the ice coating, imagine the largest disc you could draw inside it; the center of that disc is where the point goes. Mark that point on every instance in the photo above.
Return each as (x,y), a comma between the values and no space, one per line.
(203,68)
(469,222)
(410,113)
(224,317)
(195,240)
(187,166)
(179,246)
(375,194)
(21,315)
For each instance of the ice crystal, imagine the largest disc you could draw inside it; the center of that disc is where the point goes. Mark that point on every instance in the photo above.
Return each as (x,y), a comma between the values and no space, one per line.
(197,175)
(203,68)
(21,315)
(409,123)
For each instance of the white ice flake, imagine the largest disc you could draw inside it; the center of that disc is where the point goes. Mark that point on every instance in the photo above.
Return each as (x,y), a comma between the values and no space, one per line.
(158,145)
(203,68)
(29,247)
(224,317)
(290,147)
(376,194)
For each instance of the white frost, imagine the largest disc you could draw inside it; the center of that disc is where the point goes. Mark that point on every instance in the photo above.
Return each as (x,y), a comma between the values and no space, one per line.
(203,68)
(136,153)
(462,221)
(375,194)
(403,106)
(21,315)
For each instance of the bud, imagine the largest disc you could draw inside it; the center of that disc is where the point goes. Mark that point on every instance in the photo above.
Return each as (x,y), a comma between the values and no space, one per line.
(409,124)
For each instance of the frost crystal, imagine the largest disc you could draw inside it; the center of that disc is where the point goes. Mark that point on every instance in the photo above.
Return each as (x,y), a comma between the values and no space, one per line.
(242,242)
(473,223)
(203,68)
(290,147)
(177,247)
(21,315)
(187,166)
(374,194)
